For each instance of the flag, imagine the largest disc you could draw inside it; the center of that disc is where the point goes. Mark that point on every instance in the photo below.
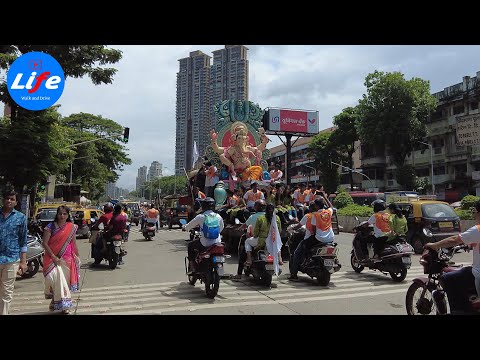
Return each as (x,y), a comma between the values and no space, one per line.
(195,153)
(274,242)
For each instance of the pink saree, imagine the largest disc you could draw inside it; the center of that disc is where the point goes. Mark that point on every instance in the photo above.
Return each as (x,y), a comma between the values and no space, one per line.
(61,280)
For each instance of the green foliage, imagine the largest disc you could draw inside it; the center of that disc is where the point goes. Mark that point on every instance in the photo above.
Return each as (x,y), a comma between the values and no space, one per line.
(394,112)
(345,135)
(325,151)
(356,210)
(469,201)
(421,185)
(406,176)
(341,189)
(33,144)
(342,199)
(464,214)
(167,184)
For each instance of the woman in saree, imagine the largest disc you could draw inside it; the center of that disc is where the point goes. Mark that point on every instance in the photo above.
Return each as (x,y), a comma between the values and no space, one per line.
(61,262)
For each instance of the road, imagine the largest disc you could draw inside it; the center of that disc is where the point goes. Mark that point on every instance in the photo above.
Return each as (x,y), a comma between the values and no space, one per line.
(153,281)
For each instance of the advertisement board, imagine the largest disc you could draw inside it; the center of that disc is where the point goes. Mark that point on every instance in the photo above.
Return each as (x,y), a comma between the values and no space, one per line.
(468,130)
(291,121)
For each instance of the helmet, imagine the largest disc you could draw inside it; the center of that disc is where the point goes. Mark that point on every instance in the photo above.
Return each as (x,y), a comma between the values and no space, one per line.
(260,205)
(378,205)
(108,207)
(208,204)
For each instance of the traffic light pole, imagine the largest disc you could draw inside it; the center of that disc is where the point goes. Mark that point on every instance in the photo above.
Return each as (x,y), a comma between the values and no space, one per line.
(89,141)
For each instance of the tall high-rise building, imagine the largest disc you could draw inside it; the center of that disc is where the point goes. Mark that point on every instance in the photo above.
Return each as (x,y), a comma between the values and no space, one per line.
(141,178)
(229,76)
(154,171)
(193,108)
(201,86)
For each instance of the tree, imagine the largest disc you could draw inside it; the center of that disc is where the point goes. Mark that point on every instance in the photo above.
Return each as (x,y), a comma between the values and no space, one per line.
(167,185)
(324,152)
(406,176)
(345,135)
(97,162)
(394,112)
(35,135)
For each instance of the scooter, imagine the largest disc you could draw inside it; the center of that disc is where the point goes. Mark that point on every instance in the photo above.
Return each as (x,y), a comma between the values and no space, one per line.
(395,259)
(148,231)
(35,253)
(113,252)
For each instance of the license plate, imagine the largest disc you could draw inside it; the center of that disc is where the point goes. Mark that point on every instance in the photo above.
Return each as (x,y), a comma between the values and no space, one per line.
(151,233)
(219,259)
(446,224)
(269,267)
(328,262)
(117,243)
(406,260)
(117,250)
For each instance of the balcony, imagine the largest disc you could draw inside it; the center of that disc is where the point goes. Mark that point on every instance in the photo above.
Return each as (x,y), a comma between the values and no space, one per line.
(374,161)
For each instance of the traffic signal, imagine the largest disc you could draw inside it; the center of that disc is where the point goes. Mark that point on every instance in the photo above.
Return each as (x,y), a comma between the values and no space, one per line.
(126,134)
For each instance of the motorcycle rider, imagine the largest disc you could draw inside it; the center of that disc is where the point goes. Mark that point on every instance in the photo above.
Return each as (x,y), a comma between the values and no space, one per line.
(152,216)
(259,206)
(321,226)
(105,220)
(208,205)
(381,226)
(117,225)
(260,233)
(456,283)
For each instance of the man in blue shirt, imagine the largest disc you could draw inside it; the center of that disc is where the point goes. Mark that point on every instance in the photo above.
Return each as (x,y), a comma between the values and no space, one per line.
(13,247)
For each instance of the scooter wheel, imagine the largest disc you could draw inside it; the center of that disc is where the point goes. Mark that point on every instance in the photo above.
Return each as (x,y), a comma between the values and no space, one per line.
(32,268)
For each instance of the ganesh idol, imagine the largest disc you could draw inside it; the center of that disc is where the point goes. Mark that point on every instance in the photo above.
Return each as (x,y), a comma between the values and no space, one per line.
(239,155)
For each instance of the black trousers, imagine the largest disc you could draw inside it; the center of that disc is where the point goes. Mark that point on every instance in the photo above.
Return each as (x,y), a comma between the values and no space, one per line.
(379,244)
(193,247)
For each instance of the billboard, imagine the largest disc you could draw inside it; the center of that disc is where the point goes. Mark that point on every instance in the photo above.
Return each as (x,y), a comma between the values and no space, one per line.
(468,130)
(291,121)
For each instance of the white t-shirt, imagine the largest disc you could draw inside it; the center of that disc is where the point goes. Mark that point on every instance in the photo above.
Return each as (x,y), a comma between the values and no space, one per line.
(472,237)
(327,235)
(304,223)
(198,221)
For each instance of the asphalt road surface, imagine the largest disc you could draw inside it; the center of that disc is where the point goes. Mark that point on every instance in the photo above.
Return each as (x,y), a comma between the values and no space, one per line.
(153,281)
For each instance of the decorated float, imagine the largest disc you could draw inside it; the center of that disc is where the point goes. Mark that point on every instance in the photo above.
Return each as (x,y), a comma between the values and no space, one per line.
(238,143)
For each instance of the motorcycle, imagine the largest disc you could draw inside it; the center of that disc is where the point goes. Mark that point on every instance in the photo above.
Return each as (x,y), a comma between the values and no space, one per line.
(321,260)
(262,268)
(432,299)
(35,253)
(148,231)
(113,251)
(395,259)
(208,265)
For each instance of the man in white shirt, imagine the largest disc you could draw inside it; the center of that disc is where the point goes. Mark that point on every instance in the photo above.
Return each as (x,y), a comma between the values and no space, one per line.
(208,205)
(457,282)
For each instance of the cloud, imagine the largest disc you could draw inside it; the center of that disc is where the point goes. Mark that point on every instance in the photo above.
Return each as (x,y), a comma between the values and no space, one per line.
(315,77)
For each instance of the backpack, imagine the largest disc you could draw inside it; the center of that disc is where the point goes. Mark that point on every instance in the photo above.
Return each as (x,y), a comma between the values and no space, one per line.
(211,226)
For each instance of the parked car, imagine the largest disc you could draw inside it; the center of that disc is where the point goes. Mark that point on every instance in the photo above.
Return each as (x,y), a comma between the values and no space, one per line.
(83,219)
(429,221)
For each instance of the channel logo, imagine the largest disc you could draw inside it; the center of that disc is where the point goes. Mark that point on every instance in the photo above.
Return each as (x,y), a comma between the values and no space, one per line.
(35,81)
(275,119)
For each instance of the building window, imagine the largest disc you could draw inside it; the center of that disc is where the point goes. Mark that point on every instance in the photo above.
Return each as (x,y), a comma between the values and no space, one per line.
(458,109)
(474,105)
(439,170)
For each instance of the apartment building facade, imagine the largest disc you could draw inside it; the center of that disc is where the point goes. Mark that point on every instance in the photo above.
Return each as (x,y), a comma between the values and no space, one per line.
(154,171)
(201,85)
(141,178)
(456,168)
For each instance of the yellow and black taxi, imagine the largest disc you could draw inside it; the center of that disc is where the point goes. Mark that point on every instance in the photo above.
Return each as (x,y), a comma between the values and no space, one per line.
(43,215)
(429,220)
(82,217)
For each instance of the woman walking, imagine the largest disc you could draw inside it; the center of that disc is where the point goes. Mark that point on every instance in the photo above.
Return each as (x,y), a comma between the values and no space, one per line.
(61,262)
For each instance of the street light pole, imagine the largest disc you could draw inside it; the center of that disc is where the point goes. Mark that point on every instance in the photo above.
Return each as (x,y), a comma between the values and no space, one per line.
(431,163)
(314,172)
(355,171)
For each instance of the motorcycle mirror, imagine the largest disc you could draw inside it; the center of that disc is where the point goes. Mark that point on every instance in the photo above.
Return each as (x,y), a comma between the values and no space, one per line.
(183,221)
(237,221)
(101,226)
(92,220)
(290,216)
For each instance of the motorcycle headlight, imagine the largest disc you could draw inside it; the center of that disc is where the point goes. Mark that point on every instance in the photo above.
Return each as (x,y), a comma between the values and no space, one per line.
(427,232)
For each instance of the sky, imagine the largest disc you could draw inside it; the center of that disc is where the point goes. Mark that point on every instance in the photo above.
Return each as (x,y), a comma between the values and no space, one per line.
(326,78)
